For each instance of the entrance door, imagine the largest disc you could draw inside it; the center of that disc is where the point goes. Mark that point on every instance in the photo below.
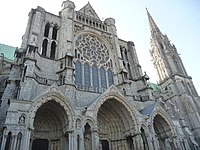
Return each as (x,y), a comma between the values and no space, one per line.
(40,144)
(105,145)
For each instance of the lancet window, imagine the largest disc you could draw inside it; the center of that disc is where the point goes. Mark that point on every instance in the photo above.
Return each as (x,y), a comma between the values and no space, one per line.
(93,54)
(78,71)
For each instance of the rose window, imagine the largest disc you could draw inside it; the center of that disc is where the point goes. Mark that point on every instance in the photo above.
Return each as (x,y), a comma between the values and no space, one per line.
(92,49)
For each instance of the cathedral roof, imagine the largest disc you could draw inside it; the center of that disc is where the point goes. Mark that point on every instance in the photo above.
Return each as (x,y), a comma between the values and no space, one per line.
(153,86)
(7,51)
(88,10)
(148,110)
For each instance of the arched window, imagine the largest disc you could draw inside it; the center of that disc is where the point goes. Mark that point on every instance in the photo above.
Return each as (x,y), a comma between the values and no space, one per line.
(126,55)
(8,141)
(87,74)
(95,76)
(19,139)
(110,77)
(111,64)
(83,19)
(53,50)
(103,78)
(124,64)
(129,72)
(161,46)
(55,30)
(103,27)
(121,51)
(87,137)
(69,61)
(75,53)
(78,71)
(78,142)
(44,47)
(46,30)
(177,65)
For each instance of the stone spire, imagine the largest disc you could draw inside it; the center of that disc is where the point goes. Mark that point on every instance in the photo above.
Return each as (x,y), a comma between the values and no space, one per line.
(153,27)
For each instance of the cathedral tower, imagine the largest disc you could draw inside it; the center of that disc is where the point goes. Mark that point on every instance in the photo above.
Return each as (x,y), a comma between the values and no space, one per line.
(176,86)
(75,85)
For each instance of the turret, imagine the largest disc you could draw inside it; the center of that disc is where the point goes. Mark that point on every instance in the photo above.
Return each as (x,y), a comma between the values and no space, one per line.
(66,32)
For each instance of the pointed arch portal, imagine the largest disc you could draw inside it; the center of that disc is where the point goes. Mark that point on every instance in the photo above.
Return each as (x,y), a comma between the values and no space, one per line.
(49,122)
(115,125)
(164,133)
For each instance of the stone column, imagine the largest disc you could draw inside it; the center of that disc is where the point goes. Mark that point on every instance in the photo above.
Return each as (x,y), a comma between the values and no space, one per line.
(123,145)
(118,145)
(150,146)
(126,145)
(186,144)
(76,141)
(26,139)
(14,141)
(156,142)
(153,144)
(134,143)
(71,140)
(95,142)
(114,145)
(140,142)
(137,142)
(110,145)
(3,140)
(48,53)
(31,143)
(176,143)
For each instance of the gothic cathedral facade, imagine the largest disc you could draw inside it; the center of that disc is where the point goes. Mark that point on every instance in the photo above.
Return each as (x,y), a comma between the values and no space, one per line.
(74,85)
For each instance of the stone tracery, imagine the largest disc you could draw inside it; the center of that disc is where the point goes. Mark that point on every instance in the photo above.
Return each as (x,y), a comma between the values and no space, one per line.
(92,49)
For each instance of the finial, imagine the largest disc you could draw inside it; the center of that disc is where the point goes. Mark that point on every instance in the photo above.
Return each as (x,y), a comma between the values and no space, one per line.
(146,8)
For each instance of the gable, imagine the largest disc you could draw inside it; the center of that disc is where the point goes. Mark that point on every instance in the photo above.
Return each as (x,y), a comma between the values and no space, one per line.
(88,10)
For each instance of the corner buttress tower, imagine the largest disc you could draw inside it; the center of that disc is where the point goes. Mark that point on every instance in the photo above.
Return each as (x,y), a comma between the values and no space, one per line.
(177,88)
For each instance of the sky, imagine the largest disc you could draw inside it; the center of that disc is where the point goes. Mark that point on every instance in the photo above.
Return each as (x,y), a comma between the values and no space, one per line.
(180,20)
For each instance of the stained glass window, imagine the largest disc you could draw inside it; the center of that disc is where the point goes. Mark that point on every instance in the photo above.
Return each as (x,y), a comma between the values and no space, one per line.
(95,76)
(87,75)
(110,77)
(78,71)
(103,78)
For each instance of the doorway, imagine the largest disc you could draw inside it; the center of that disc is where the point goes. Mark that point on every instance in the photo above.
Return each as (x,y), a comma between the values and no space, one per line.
(40,144)
(105,145)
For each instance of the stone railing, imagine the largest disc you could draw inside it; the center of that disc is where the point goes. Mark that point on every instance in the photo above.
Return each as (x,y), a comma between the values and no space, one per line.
(90,89)
(93,22)
(42,80)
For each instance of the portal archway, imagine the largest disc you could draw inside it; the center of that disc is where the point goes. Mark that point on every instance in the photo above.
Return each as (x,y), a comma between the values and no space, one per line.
(50,122)
(164,132)
(116,125)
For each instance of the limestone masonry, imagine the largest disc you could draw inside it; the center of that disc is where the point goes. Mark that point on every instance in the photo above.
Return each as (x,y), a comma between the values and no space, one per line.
(75,85)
